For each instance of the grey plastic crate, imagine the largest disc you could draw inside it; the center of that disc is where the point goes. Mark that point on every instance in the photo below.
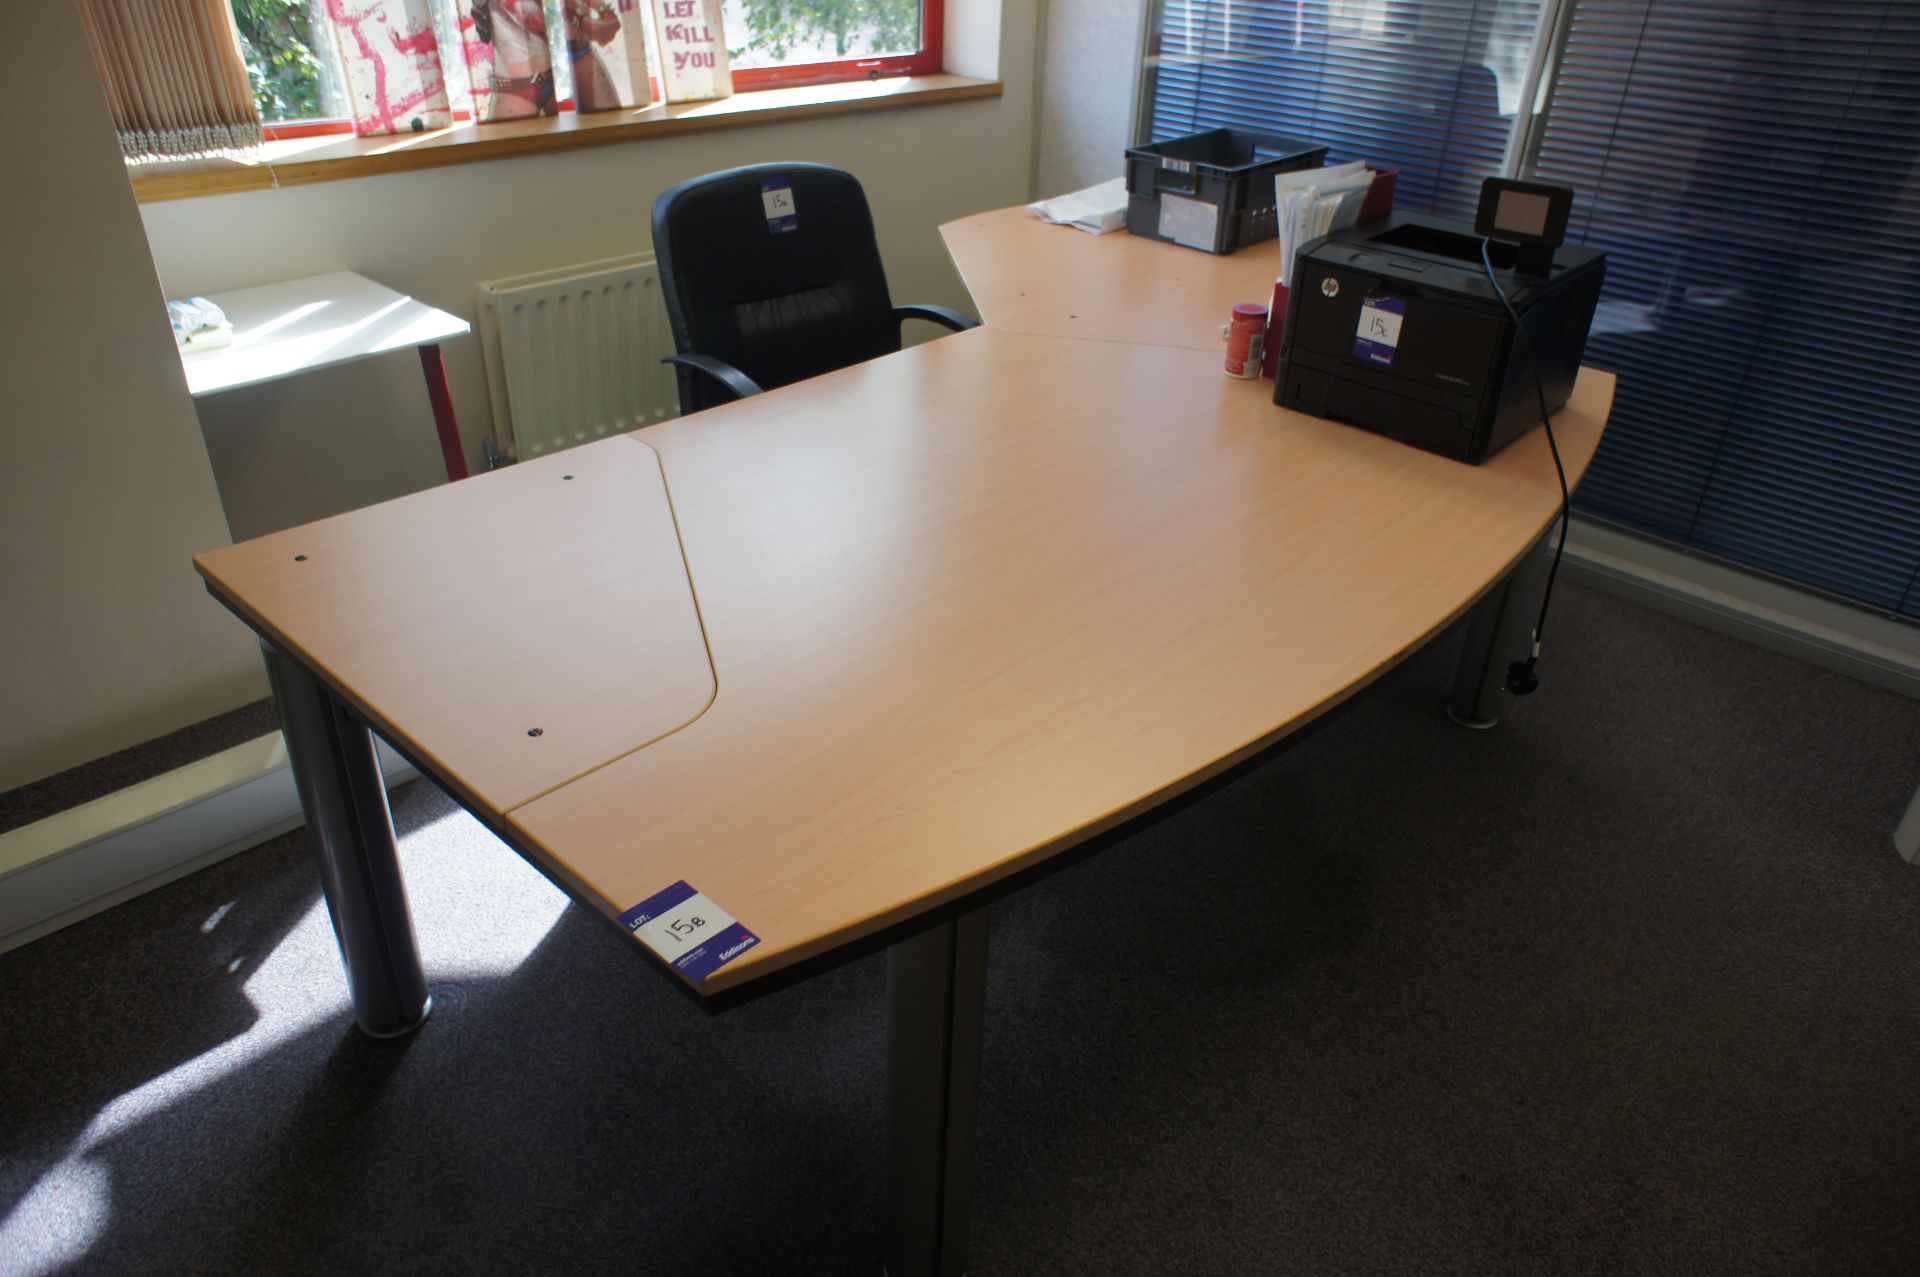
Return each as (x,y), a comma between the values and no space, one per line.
(1224,177)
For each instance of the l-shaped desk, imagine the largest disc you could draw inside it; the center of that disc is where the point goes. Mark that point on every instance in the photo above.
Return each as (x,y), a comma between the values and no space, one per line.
(826,669)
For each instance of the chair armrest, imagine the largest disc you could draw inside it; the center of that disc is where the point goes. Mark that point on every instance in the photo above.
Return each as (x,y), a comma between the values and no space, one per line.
(938,314)
(720,370)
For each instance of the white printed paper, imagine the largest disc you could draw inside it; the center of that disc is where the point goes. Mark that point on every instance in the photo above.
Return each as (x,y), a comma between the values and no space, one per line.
(1096,210)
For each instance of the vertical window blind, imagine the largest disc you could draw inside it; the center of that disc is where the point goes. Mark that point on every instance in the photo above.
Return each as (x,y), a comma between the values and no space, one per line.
(1749,166)
(1428,87)
(173,76)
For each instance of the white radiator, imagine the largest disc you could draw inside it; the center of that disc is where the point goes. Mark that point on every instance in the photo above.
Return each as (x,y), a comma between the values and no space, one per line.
(573,355)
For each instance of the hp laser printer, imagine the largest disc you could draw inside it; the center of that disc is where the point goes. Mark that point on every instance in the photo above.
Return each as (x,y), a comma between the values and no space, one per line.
(1393,326)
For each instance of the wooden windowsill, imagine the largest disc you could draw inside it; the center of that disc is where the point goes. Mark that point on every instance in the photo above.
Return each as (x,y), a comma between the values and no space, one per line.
(327,159)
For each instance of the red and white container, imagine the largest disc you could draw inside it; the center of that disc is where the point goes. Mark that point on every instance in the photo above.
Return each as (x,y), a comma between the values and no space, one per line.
(1245,339)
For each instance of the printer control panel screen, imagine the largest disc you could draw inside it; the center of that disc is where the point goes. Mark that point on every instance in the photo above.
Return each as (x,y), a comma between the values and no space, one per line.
(1522,213)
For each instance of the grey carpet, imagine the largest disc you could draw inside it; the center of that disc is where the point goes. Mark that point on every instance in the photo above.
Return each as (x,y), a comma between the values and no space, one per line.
(130,766)
(1631,984)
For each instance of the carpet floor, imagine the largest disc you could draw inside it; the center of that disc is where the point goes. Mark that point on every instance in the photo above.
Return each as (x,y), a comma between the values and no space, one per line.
(1630,984)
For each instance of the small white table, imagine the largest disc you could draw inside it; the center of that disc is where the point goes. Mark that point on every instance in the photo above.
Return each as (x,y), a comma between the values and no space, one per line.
(302,324)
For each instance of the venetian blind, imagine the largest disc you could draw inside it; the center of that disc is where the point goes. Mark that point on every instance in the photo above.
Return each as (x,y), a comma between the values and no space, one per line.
(1425,86)
(1750,169)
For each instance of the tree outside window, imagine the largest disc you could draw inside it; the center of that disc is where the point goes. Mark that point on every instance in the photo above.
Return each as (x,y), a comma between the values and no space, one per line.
(762,33)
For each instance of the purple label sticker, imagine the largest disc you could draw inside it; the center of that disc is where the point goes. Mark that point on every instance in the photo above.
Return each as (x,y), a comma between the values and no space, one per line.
(776,196)
(1378,337)
(691,934)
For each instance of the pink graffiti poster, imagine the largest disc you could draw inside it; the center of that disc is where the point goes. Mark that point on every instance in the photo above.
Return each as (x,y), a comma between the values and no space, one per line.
(505,42)
(607,45)
(395,82)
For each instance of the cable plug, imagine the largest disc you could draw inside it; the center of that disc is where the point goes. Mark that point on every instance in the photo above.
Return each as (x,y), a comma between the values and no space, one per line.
(1521,679)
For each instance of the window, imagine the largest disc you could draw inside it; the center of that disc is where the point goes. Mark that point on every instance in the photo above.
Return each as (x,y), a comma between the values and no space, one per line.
(293,59)
(1752,169)
(781,42)
(1429,87)
(294,64)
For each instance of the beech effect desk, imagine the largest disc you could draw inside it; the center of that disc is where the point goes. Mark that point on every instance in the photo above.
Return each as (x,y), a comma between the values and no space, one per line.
(280,330)
(850,657)
(1030,277)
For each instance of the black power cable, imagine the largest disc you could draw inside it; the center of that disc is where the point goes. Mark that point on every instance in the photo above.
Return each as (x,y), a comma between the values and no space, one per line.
(1521,677)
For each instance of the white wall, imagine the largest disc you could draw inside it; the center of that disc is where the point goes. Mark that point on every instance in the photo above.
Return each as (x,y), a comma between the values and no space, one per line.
(299,450)
(106,636)
(1090,73)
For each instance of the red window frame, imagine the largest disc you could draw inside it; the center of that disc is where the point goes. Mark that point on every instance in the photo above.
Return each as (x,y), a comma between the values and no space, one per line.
(926,62)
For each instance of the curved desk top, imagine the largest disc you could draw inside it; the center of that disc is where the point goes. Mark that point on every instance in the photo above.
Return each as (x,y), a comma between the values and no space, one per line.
(974,603)
(967,606)
(1028,276)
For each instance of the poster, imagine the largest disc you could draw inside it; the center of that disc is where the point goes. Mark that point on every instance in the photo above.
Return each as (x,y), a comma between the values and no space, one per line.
(693,50)
(607,45)
(395,81)
(505,42)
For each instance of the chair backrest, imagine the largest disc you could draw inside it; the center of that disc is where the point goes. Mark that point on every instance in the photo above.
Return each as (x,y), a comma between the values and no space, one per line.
(781,290)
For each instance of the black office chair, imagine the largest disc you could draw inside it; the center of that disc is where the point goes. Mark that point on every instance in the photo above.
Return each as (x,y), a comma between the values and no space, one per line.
(771,275)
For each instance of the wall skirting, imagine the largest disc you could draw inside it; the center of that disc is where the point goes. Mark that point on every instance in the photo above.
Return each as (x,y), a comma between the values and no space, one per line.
(72,865)
(1768,613)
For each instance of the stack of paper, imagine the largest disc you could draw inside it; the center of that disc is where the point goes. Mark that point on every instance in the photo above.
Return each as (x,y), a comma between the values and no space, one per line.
(1313,202)
(1096,210)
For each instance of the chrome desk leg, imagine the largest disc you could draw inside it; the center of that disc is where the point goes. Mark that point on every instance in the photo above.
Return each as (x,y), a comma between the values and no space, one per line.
(1499,632)
(345,801)
(936,1002)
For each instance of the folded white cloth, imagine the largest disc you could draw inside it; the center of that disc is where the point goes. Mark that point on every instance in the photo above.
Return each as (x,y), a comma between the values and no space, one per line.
(206,338)
(194,318)
(1096,210)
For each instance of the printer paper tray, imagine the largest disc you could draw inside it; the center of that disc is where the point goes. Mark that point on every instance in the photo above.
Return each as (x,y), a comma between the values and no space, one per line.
(1436,427)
